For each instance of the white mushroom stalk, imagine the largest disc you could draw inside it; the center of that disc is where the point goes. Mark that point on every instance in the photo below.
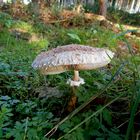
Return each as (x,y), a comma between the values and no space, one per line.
(77,81)
(76,76)
(72,57)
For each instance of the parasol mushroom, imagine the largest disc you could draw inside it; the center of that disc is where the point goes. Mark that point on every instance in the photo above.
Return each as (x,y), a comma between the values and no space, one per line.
(72,57)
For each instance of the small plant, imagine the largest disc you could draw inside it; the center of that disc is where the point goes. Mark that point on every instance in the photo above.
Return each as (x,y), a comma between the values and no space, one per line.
(32,120)
(6,20)
(74,37)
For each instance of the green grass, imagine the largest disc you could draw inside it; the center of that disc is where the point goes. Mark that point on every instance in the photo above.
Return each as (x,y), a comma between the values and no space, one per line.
(18,55)
(31,117)
(124,17)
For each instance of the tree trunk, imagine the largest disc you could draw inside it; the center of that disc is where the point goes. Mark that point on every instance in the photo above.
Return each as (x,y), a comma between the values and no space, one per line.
(124,4)
(137,6)
(103,7)
(132,5)
(37,6)
(1,2)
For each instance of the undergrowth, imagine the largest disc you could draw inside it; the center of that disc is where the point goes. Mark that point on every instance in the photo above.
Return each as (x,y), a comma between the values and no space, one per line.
(124,17)
(26,115)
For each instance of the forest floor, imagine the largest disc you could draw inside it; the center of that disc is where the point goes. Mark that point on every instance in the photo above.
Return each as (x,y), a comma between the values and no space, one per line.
(34,103)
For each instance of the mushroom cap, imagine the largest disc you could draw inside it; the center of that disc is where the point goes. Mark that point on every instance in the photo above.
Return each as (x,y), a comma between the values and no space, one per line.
(72,57)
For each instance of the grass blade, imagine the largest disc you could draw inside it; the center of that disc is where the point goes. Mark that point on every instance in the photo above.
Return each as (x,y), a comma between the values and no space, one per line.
(136,96)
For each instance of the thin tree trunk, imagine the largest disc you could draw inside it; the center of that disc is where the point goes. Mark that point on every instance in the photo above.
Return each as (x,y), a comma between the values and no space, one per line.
(103,7)
(124,4)
(137,6)
(132,5)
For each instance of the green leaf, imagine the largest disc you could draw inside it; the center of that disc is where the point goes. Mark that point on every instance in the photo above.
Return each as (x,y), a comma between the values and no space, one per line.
(19,136)
(65,127)
(107,116)
(74,36)
(49,115)
(9,114)
(32,133)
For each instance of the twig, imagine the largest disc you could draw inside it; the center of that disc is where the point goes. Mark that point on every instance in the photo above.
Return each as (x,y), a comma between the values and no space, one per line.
(59,21)
(127,120)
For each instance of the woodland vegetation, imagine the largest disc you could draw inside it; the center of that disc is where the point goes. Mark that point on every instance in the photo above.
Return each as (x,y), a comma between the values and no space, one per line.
(34,106)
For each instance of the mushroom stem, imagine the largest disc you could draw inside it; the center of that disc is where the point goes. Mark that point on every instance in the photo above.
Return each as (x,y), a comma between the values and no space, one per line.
(73,98)
(76,75)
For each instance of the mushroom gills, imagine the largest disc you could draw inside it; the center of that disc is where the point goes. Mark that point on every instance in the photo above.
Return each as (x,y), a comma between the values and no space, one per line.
(53,70)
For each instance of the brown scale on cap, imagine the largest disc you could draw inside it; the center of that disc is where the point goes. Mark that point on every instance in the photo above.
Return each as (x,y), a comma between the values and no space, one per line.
(69,48)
